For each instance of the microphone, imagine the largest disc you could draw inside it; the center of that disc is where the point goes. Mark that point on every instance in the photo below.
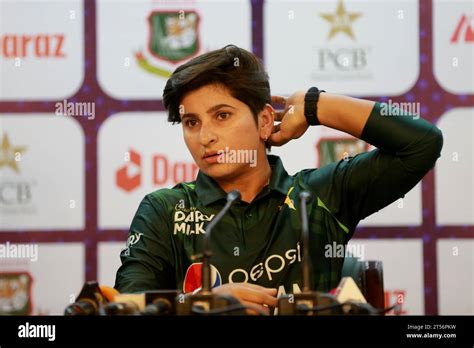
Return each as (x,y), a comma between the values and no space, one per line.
(353,301)
(351,298)
(347,290)
(155,302)
(307,302)
(120,308)
(205,302)
(109,292)
(305,198)
(232,196)
(160,302)
(90,299)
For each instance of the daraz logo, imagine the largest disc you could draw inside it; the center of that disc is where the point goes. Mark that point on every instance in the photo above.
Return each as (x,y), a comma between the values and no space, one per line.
(124,179)
(464,30)
(129,176)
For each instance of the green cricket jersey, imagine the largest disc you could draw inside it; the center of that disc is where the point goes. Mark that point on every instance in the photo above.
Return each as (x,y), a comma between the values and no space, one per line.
(261,242)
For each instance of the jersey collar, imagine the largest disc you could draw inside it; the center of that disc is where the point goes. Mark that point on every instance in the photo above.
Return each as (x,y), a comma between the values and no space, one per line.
(209,191)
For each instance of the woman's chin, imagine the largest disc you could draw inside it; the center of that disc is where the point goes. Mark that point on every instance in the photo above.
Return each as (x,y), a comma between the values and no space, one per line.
(221,171)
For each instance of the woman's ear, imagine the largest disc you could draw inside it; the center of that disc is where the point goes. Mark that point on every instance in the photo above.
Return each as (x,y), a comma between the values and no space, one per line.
(266,120)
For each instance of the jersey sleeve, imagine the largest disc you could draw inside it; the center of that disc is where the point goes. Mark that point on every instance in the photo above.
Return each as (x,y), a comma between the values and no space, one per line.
(147,259)
(354,188)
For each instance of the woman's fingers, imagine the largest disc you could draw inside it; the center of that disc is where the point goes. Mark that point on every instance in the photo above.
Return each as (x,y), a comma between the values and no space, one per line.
(276,99)
(279,115)
(257,296)
(255,309)
(277,139)
(271,291)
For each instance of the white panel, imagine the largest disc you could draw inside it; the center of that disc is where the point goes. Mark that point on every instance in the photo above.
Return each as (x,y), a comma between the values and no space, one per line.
(108,261)
(41,49)
(124,31)
(164,162)
(308,43)
(57,275)
(454,171)
(455,258)
(402,269)
(453,44)
(42,181)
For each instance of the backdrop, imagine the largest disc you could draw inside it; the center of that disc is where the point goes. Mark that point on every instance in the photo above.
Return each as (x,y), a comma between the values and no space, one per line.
(84,137)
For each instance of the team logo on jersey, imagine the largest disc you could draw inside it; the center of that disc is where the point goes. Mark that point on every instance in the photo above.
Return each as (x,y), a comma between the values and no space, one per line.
(192,280)
(288,201)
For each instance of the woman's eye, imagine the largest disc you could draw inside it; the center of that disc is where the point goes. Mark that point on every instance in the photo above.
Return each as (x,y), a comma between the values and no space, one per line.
(223,115)
(190,123)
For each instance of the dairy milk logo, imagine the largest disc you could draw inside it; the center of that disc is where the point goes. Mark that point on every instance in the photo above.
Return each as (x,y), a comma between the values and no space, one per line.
(190,221)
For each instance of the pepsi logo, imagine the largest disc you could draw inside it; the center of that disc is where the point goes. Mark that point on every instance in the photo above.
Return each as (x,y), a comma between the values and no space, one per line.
(192,279)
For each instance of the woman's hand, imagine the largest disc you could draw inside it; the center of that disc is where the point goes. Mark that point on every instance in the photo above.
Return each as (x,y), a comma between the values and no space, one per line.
(293,122)
(256,298)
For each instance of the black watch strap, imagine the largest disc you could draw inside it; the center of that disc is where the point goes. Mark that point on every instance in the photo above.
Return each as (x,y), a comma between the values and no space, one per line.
(311,106)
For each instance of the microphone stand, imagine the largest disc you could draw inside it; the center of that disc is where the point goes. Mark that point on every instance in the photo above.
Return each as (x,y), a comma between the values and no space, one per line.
(307,302)
(205,302)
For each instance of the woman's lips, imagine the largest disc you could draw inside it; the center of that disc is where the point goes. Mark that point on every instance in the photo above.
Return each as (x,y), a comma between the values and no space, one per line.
(213,158)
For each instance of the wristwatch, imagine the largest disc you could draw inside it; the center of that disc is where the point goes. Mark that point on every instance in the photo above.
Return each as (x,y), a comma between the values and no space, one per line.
(311,106)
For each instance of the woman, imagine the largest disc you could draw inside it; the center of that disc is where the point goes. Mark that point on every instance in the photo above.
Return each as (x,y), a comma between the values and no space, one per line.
(223,101)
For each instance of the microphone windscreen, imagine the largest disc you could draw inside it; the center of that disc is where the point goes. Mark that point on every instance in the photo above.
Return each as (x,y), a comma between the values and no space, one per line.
(108,292)
(306,195)
(347,290)
(233,195)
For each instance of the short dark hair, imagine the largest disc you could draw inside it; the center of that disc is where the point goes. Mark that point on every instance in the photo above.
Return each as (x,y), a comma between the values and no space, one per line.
(238,70)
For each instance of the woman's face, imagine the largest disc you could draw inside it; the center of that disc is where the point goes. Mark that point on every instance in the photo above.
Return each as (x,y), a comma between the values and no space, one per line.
(214,121)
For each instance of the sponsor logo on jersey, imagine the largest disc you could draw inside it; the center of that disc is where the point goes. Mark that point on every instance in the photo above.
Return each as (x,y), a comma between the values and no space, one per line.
(272,265)
(190,221)
(192,280)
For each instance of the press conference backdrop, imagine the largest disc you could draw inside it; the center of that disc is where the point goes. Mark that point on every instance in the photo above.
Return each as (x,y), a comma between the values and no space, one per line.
(84,136)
